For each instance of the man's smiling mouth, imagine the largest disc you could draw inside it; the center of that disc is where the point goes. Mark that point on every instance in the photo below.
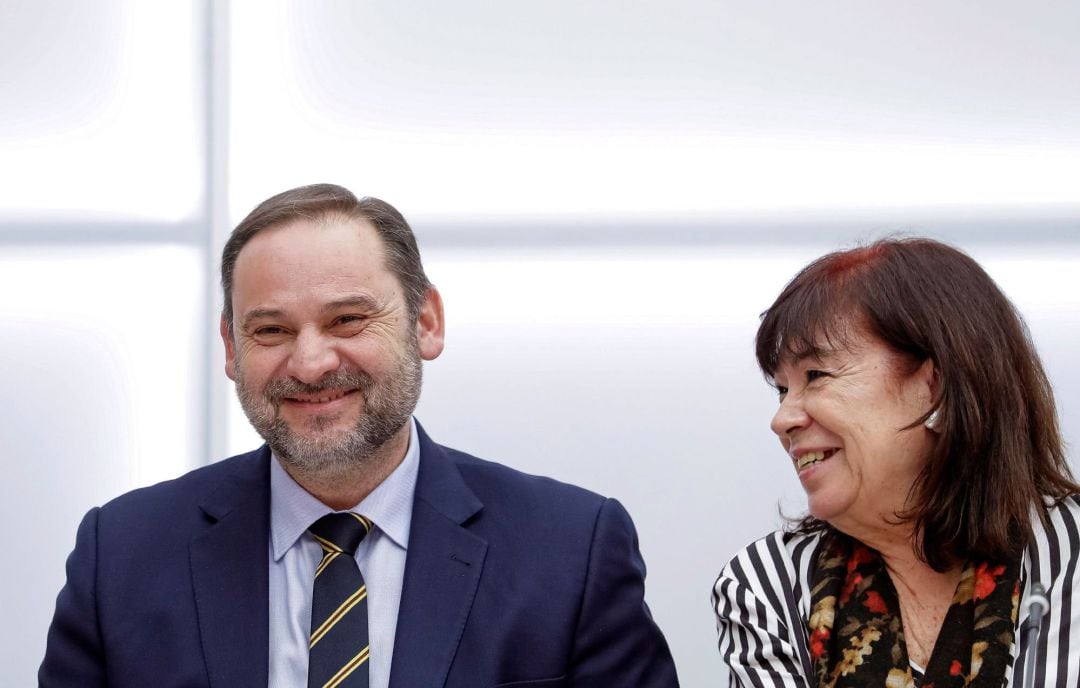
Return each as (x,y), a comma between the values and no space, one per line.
(321,397)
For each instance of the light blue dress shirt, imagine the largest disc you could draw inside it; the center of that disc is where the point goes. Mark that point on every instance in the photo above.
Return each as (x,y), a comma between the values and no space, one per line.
(294,556)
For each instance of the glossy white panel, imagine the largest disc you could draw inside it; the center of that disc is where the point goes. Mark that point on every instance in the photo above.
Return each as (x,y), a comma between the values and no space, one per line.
(101,351)
(476,110)
(103,106)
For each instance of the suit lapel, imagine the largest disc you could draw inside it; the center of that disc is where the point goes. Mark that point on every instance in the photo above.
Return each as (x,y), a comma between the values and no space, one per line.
(230,574)
(442,572)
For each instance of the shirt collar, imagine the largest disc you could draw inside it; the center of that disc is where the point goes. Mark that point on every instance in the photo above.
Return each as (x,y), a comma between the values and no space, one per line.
(389,506)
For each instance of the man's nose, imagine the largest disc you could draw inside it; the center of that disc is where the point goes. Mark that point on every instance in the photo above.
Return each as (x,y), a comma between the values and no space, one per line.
(790,416)
(313,356)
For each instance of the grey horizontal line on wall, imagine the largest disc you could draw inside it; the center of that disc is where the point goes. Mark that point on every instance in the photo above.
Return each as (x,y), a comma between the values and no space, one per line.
(1041,228)
(705,232)
(81,233)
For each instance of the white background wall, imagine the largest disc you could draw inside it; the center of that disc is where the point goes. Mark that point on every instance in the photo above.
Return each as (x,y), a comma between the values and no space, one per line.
(606,193)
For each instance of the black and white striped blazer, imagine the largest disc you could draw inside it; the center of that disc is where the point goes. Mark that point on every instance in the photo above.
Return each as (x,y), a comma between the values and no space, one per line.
(762,604)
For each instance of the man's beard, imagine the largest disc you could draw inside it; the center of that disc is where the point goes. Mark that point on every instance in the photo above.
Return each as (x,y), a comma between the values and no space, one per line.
(387,406)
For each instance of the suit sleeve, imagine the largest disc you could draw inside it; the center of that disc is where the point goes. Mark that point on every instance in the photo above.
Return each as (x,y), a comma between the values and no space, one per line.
(755,640)
(617,643)
(73,653)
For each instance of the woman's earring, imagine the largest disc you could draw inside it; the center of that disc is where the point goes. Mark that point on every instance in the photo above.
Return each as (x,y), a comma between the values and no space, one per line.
(931,421)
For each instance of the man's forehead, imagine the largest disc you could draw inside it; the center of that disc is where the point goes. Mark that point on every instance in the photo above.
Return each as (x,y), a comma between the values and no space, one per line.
(303,249)
(320,264)
(299,227)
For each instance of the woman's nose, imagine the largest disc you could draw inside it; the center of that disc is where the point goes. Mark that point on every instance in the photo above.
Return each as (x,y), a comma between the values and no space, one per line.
(789,417)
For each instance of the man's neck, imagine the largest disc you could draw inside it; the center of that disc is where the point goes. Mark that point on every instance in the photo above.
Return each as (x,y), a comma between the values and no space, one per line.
(341,490)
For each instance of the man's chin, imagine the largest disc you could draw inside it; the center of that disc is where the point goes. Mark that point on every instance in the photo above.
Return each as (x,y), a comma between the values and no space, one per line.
(316,460)
(326,450)
(315,428)
(315,446)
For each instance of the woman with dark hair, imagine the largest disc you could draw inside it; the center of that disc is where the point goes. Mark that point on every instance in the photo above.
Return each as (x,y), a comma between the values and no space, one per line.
(922,427)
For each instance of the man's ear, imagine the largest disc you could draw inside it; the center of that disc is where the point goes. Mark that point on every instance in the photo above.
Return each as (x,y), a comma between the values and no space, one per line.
(430,325)
(230,349)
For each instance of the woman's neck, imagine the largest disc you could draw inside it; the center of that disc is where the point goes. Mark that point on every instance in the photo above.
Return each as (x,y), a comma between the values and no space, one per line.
(924,594)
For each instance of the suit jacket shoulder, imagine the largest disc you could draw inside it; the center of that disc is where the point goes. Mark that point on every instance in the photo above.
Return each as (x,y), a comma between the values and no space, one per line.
(185,559)
(543,579)
(520,495)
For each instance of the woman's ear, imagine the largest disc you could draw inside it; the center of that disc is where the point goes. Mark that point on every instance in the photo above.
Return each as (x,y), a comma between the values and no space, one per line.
(929,379)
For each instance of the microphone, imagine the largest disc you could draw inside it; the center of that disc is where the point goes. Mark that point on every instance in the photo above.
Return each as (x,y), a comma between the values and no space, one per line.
(1038,605)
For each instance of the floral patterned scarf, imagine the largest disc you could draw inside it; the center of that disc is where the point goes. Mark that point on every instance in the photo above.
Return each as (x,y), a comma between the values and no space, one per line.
(857,640)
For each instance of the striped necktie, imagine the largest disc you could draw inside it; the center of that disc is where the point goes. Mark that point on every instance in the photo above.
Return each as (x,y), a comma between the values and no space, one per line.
(338,647)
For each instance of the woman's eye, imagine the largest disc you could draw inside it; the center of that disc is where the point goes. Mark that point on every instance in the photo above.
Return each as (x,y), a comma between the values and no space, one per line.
(812,375)
(781,391)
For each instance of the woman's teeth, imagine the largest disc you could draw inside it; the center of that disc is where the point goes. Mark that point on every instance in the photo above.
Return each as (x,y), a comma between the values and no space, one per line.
(814,457)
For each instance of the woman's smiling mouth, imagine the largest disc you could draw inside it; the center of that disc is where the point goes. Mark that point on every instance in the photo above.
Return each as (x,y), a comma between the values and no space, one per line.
(809,458)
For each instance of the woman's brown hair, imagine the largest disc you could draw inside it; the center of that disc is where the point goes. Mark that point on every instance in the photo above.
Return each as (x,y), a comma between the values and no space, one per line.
(999,452)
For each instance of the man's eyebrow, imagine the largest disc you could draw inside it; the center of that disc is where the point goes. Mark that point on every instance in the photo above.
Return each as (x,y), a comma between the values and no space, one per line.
(258,314)
(361,301)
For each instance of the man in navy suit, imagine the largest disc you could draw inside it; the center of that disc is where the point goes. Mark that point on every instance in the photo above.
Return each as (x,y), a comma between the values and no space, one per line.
(474,575)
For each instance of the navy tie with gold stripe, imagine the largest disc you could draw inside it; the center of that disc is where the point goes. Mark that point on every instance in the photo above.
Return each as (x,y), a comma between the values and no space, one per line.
(338,647)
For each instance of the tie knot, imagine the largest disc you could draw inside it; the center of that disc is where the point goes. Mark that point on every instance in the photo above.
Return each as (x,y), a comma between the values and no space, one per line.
(340,532)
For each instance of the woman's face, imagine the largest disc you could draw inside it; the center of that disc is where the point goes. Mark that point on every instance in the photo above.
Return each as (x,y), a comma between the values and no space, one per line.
(842,421)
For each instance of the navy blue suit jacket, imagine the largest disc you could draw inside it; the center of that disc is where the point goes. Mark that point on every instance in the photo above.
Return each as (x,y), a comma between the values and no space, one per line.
(510,580)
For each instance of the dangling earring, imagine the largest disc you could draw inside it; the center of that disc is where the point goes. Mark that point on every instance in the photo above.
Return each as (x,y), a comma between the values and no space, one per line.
(931,421)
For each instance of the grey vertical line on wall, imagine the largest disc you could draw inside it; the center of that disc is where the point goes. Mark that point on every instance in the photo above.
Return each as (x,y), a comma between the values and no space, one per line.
(217,212)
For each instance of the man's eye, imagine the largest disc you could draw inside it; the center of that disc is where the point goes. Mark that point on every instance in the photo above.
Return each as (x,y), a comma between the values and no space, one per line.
(812,375)
(349,320)
(781,391)
(269,331)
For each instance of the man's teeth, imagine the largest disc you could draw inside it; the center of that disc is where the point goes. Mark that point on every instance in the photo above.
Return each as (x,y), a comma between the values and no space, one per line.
(321,400)
(813,457)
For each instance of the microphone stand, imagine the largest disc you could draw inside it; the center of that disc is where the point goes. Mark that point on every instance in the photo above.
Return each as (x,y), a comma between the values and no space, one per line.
(1038,605)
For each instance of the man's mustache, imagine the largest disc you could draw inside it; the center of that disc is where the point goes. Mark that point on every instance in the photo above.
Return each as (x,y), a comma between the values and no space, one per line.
(347,379)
